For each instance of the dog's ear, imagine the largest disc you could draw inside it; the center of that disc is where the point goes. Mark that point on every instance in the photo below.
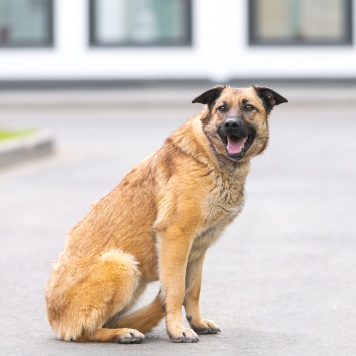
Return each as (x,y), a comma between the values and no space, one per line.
(209,97)
(269,97)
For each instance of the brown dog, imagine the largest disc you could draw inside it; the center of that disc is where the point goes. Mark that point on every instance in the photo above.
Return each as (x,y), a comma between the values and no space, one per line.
(157,224)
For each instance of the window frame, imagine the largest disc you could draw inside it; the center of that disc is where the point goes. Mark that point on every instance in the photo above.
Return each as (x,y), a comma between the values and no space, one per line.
(37,44)
(255,42)
(93,43)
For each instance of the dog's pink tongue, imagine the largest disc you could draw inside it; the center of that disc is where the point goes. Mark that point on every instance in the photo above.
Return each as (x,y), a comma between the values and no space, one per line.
(235,145)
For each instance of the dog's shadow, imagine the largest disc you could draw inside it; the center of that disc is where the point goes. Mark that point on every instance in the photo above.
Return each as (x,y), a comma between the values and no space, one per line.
(232,341)
(237,340)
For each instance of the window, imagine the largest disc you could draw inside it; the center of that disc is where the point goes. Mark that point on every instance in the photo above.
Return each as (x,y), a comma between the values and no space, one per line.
(140,22)
(300,22)
(26,23)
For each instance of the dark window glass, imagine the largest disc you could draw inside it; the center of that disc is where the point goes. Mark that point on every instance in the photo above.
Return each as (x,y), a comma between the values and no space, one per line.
(26,23)
(140,22)
(300,22)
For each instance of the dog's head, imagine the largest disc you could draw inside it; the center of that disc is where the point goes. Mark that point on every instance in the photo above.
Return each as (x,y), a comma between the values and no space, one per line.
(236,119)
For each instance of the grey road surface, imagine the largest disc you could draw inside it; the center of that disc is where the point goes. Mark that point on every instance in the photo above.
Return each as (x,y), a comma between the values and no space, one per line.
(282,279)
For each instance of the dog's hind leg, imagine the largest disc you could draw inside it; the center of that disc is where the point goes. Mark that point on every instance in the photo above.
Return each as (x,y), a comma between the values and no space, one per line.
(122,336)
(144,319)
(80,312)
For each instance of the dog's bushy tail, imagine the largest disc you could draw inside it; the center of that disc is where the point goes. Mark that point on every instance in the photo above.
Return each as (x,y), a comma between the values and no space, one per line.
(144,319)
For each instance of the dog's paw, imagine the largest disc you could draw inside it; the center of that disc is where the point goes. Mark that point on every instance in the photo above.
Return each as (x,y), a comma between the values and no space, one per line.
(130,336)
(183,334)
(205,327)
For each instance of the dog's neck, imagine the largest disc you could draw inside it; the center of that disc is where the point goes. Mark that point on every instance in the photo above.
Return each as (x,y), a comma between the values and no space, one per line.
(191,140)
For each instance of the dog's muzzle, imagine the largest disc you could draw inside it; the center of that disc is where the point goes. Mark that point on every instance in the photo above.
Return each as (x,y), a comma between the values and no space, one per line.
(237,136)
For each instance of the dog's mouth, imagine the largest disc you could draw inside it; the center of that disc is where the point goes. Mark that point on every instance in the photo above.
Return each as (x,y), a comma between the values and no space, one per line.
(237,147)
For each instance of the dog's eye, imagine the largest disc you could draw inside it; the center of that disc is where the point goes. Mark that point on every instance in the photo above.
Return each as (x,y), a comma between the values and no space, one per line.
(222,108)
(248,107)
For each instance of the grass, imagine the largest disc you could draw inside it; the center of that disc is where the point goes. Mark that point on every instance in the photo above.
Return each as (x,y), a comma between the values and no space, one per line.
(9,134)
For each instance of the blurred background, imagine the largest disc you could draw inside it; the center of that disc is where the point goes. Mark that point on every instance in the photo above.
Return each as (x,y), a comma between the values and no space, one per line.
(88,88)
(116,40)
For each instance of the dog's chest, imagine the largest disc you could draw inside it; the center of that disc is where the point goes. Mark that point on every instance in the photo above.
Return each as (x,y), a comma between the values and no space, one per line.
(222,205)
(224,202)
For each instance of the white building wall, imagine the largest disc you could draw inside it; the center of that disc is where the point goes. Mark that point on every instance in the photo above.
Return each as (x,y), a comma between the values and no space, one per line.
(220,52)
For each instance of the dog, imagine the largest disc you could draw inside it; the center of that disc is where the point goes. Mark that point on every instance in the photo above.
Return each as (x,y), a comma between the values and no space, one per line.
(157,225)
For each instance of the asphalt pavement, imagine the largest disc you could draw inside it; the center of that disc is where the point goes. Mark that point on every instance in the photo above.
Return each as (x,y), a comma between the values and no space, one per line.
(280,281)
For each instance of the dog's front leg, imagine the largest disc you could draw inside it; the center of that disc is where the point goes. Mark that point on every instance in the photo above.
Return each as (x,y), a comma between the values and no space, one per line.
(173,256)
(191,300)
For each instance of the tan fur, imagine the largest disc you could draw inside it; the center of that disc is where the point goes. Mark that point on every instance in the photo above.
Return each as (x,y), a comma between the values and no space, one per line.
(156,224)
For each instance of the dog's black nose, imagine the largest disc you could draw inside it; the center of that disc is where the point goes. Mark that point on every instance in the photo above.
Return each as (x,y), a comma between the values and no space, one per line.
(234,126)
(231,124)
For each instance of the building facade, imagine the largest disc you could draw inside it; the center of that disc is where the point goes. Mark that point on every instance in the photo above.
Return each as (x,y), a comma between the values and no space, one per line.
(176,39)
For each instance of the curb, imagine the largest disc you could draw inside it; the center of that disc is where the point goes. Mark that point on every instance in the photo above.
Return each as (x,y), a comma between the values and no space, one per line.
(158,97)
(16,150)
